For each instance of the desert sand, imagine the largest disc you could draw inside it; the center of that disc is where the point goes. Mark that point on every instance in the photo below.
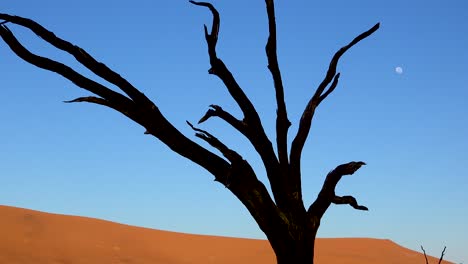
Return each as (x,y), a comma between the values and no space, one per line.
(28,236)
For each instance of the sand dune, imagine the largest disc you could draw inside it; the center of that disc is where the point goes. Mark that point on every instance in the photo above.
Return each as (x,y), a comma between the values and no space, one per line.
(28,236)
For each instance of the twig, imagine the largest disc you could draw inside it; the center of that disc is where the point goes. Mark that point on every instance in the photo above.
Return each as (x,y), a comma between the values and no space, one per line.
(425,256)
(442,255)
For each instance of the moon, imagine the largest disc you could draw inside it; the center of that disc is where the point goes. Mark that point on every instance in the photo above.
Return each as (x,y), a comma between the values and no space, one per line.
(399,70)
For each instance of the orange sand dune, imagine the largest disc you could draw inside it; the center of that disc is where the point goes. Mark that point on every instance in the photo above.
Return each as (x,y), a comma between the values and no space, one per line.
(28,236)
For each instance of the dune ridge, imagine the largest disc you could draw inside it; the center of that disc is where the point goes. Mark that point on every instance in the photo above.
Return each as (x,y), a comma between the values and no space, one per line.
(28,236)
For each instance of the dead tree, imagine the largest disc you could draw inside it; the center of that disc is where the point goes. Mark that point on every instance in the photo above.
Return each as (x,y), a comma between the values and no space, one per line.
(289,225)
(441,255)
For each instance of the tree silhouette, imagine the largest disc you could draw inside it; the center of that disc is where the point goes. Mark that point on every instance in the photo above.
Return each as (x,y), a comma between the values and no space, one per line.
(290,227)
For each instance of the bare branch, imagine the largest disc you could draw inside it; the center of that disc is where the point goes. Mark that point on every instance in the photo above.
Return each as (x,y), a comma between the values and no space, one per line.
(282,122)
(219,69)
(129,112)
(65,71)
(308,114)
(348,200)
(425,256)
(442,255)
(251,127)
(210,113)
(81,56)
(327,193)
(90,99)
(211,38)
(230,154)
(218,111)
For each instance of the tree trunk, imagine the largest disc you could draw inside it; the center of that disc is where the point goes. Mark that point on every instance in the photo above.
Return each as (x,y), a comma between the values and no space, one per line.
(297,250)
(301,252)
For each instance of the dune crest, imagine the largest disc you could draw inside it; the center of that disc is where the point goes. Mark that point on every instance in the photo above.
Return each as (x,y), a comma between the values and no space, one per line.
(29,236)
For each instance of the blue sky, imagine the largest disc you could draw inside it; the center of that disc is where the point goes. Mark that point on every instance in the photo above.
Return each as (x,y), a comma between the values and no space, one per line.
(410,128)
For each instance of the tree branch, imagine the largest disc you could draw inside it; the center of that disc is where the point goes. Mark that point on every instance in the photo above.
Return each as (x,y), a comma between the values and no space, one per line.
(219,69)
(230,154)
(241,180)
(251,127)
(65,71)
(217,111)
(81,56)
(282,122)
(211,38)
(425,256)
(442,255)
(94,100)
(327,193)
(318,97)
(348,200)
(129,112)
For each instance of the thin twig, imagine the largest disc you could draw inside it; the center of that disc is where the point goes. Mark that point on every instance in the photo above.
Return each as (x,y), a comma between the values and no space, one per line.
(425,256)
(442,255)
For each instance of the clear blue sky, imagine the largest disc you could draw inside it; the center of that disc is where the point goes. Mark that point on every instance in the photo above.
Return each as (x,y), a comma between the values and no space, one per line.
(410,128)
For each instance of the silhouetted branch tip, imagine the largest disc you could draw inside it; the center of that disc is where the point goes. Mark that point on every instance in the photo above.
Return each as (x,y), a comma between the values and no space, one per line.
(207,137)
(88,99)
(425,256)
(212,37)
(214,142)
(207,115)
(349,200)
(349,168)
(442,255)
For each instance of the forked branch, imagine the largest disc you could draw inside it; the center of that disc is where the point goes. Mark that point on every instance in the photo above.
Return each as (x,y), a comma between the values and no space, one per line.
(218,111)
(230,154)
(327,194)
(319,96)
(211,38)
(219,69)
(81,56)
(442,255)
(425,256)
(65,71)
(251,125)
